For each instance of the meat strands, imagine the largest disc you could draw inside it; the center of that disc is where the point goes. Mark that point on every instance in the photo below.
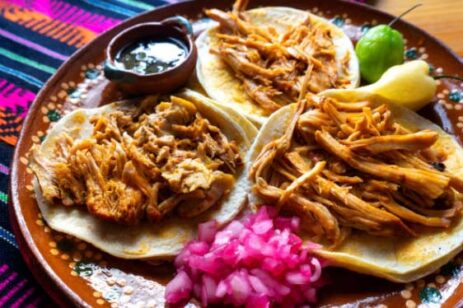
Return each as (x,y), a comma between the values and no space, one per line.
(343,166)
(271,66)
(142,164)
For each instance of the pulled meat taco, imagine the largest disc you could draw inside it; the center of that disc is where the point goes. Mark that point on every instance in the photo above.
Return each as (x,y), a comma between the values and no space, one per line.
(135,178)
(254,61)
(377,185)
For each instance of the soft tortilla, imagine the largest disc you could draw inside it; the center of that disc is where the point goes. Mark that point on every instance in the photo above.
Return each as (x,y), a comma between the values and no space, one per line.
(395,259)
(162,240)
(220,82)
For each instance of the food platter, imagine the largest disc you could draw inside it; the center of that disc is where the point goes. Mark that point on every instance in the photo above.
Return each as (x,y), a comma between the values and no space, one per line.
(74,271)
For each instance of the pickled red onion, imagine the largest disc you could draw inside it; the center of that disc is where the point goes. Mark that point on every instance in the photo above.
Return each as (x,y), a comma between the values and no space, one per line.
(254,262)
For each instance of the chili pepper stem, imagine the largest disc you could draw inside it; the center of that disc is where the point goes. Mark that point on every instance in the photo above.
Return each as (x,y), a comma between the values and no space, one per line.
(447,76)
(404,13)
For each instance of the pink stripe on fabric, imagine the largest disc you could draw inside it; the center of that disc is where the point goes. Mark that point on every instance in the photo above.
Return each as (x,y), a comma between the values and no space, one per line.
(54,11)
(5,170)
(7,280)
(78,18)
(19,301)
(3,268)
(32,45)
(70,14)
(66,11)
(12,292)
(17,97)
(8,88)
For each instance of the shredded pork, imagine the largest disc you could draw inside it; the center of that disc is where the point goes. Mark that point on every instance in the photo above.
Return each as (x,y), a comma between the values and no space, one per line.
(142,165)
(270,66)
(350,166)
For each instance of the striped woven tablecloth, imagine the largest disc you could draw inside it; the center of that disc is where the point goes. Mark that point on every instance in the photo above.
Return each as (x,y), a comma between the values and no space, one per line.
(36,36)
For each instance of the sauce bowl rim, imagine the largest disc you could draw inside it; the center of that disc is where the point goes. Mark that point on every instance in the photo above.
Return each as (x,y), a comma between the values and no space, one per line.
(182,35)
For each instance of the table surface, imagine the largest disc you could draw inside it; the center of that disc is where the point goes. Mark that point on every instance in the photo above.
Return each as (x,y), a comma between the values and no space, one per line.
(441,18)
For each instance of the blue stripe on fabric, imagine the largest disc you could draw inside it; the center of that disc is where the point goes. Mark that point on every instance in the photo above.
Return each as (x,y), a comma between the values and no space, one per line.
(8,237)
(15,73)
(29,53)
(25,69)
(13,56)
(139,5)
(111,7)
(36,37)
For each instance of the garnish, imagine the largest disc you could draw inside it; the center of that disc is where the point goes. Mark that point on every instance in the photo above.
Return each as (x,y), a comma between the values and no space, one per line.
(408,85)
(380,48)
(254,262)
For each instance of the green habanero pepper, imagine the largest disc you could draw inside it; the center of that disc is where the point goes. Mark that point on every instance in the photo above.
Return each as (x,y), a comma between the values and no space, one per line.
(379,49)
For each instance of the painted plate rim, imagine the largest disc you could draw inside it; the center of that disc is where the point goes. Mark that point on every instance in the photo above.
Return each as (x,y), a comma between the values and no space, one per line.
(20,228)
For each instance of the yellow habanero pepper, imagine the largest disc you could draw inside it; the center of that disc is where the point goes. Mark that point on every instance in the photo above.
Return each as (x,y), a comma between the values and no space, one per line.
(408,85)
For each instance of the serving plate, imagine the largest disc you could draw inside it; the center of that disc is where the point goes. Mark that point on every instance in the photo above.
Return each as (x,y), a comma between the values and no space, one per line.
(74,272)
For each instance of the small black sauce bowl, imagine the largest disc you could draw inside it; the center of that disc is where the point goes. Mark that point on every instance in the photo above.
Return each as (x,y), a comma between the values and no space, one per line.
(132,83)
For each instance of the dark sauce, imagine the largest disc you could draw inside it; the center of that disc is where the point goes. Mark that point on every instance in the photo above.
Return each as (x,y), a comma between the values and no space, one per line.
(151,56)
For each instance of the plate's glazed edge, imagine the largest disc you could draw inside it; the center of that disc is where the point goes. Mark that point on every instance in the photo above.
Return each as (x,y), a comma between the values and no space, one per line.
(25,240)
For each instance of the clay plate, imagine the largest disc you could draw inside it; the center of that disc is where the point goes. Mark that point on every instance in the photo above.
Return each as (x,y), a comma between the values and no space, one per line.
(74,272)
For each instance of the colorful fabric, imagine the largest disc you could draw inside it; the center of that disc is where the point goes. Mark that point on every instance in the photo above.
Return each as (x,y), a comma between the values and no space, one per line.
(36,36)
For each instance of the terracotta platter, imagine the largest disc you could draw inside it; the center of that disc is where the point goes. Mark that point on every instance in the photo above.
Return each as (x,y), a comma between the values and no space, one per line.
(74,272)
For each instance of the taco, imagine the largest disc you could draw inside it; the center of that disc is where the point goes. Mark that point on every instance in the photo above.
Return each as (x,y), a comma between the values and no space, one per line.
(254,61)
(379,186)
(136,178)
